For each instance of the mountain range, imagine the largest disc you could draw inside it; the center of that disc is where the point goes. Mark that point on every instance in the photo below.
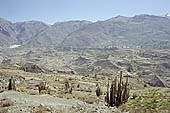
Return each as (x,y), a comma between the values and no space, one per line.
(140,30)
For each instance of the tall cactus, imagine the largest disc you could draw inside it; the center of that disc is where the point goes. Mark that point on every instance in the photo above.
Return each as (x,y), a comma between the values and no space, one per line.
(125,94)
(11,85)
(107,99)
(113,93)
(120,89)
(98,91)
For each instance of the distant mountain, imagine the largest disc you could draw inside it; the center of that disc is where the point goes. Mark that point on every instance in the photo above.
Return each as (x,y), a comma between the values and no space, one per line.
(55,34)
(28,30)
(140,30)
(7,33)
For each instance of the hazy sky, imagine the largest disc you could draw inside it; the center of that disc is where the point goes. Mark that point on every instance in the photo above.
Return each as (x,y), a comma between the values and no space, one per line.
(51,11)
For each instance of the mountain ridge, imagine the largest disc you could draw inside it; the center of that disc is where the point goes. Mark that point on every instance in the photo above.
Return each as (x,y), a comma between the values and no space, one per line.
(139,30)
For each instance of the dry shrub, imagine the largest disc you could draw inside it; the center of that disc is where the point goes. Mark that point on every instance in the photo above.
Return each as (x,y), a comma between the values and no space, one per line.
(91,100)
(69,96)
(66,83)
(78,85)
(43,109)
(68,88)
(42,87)
(3,110)
(6,102)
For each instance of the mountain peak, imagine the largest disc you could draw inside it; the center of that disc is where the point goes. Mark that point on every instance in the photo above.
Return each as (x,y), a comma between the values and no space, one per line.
(167,15)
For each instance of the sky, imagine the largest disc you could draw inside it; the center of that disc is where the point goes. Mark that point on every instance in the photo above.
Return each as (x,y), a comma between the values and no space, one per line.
(51,11)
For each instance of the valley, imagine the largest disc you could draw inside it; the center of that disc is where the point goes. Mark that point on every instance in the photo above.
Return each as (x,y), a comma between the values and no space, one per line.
(58,68)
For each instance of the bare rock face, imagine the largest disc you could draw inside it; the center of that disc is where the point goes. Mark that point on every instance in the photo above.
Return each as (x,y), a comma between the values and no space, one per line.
(157,81)
(33,68)
(106,63)
(81,61)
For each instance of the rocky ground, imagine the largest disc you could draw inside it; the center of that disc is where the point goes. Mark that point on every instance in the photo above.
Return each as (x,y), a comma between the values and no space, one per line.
(26,98)
(83,99)
(146,69)
(17,102)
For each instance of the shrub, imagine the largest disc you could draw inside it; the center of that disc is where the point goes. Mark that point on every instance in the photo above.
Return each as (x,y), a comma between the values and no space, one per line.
(150,102)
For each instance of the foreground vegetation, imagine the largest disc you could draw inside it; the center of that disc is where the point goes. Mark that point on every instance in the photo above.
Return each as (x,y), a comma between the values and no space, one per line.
(152,101)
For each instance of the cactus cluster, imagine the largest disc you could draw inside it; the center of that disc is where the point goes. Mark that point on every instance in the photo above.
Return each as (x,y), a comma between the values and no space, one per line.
(118,93)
